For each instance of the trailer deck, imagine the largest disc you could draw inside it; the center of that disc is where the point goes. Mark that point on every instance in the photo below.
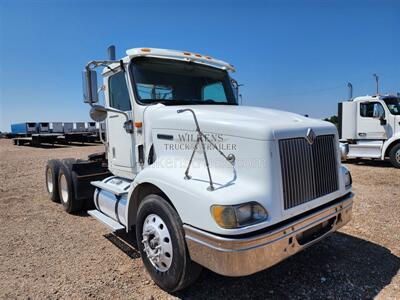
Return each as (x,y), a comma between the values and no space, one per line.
(36,139)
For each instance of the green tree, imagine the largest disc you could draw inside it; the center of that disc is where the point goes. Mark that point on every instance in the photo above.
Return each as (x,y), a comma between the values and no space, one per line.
(333,119)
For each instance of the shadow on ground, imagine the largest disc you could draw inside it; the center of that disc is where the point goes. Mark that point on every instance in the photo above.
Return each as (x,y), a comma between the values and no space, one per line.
(124,242)
(370,162)
(342,266)
(59,145)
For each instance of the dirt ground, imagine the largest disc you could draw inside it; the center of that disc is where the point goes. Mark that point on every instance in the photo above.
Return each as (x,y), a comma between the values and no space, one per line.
(46,253)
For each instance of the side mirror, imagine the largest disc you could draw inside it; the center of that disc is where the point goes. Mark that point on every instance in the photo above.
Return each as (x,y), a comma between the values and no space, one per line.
(98,113)
(89,86)
(235,86)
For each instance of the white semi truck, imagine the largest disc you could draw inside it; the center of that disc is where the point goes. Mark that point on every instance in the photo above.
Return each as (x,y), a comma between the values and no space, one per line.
(200,180)
(369,127)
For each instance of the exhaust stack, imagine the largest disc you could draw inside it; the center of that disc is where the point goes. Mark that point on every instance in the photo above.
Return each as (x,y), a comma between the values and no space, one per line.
(377,83)
(111,52)
(350,86)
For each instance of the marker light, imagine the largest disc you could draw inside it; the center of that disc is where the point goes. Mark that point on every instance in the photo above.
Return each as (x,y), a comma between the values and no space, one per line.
(138,124)
(145,50)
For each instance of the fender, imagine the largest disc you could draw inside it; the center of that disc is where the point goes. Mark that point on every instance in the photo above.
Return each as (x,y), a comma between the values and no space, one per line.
(190,198)
(188,202)
(394,139)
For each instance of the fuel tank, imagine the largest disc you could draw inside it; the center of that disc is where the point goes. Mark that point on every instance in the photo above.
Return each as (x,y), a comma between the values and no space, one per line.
(110,198)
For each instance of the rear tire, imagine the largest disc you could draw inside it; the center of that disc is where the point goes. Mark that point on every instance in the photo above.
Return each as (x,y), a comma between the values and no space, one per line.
(66,187)
(51,175)
(175,271)
(394,155)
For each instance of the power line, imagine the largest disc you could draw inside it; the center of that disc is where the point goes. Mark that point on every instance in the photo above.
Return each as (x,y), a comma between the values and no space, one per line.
(336,87)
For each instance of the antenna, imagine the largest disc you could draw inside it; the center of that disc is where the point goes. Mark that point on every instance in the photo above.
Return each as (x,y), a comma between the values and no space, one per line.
(111,52)
(377,83)
(350,86)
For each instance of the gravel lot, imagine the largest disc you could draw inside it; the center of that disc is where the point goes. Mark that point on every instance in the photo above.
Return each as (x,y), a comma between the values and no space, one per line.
(46,253)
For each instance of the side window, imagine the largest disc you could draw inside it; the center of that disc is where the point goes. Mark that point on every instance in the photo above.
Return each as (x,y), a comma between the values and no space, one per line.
(214,91)
(371,109)
(119,95)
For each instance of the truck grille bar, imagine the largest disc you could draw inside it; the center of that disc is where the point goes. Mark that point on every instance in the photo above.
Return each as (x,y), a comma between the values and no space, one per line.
(308,171)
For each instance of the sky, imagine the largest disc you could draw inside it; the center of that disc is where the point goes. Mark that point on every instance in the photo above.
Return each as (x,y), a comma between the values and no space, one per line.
(291,55)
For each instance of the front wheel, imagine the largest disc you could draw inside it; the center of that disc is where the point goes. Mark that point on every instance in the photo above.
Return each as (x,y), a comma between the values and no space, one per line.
(395,156)
(162,245)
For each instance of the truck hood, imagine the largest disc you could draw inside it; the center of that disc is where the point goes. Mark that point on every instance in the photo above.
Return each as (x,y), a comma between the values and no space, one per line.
(241,121)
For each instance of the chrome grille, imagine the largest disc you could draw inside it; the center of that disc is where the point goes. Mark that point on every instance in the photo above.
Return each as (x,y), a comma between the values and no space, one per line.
(308,171)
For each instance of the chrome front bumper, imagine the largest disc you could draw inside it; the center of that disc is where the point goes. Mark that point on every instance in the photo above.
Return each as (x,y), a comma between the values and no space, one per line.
(245,256)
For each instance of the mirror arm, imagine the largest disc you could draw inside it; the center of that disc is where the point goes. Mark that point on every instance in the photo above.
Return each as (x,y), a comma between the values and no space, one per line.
(98,63)
(110,109)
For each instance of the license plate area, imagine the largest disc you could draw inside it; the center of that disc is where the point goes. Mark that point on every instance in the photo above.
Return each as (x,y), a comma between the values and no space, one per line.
(315,232)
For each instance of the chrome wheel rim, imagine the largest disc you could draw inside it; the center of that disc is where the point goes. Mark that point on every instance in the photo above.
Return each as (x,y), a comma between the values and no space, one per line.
(63,188)
(157,243)
(397,156)
(49,180)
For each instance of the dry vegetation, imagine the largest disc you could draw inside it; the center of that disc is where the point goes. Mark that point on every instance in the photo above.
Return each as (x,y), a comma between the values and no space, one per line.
(46,253)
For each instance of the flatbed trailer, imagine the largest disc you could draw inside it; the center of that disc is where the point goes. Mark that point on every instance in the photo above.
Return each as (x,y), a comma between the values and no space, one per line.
(75,137)
(36,139)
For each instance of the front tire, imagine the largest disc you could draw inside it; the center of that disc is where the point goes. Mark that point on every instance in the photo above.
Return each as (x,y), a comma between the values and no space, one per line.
(162,245)
(394,155)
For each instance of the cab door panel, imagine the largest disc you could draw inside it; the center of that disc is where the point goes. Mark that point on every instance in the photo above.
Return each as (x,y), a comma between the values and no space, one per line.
(368,127)
(120,148)
(121,153)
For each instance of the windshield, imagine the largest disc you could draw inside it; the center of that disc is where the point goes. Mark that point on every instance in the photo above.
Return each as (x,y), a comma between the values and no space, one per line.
(393,105)
(175,83)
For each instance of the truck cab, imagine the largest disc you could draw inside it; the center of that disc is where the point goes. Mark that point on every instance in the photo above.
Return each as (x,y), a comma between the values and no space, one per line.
(199,179)
(370,126)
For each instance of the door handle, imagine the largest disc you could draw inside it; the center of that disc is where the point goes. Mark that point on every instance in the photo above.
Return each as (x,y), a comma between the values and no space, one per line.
(362,134)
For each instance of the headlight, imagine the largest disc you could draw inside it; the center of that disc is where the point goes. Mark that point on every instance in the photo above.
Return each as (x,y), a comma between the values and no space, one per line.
(347,179)
(235,216)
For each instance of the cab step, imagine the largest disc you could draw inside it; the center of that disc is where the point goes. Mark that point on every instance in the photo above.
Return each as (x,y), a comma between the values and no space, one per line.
(107,221)
(111,186)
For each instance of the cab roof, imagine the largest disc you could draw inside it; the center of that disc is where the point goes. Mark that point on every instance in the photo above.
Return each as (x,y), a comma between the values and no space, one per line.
(373,97)
(173,54)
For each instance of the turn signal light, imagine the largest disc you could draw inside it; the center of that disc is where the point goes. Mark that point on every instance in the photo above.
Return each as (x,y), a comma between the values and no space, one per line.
(138,124)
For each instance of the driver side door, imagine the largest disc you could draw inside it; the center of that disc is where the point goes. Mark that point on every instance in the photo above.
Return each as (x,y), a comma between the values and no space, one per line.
(368,126)
(121,154)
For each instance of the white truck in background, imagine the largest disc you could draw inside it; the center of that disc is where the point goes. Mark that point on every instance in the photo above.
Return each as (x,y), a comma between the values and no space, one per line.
(200,180)
(369,127)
